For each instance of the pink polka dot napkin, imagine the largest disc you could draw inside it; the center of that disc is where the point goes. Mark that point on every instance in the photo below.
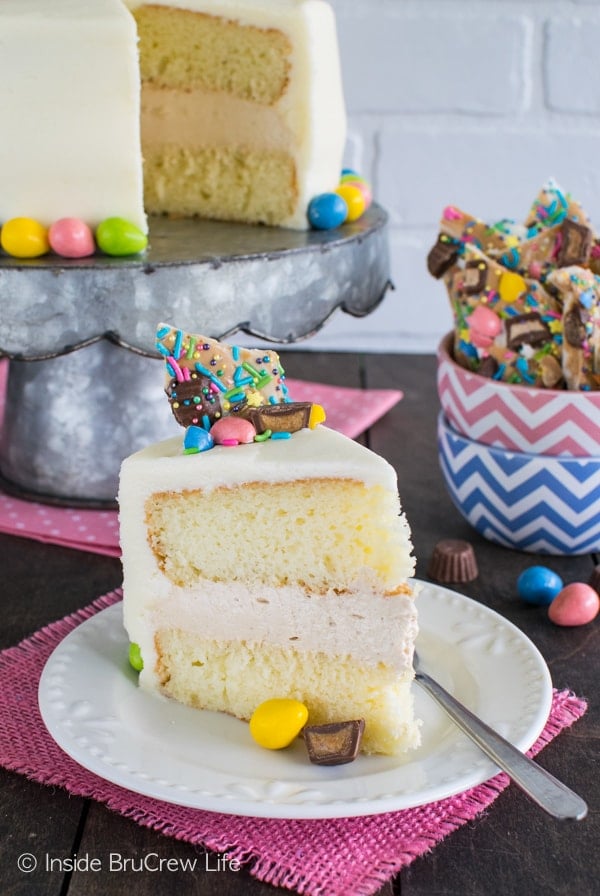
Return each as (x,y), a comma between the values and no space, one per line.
(336,857)
(350,411)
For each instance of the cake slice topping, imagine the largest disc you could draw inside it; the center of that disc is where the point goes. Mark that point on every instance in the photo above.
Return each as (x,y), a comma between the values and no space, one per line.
(208,381)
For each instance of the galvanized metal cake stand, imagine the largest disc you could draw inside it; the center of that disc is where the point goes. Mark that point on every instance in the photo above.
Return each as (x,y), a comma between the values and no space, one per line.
(85,381)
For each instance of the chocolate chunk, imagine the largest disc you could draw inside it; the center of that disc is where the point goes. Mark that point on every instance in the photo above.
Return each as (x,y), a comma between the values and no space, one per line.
(550,371)
(526,329)
(289,417)
(442,256)
(193,399)
(453,560)
(335,743)
(488,366)
(474,277)
(575,245)
(574,328)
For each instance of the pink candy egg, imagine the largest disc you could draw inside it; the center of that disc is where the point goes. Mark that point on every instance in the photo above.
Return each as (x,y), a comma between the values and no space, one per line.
(576,604)
(71,238)
(451,214)
(232,431)
(484,326)
(535,270)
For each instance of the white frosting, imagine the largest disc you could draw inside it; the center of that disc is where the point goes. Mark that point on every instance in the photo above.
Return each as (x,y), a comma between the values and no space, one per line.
(370,627)
(69,107)
(320,452)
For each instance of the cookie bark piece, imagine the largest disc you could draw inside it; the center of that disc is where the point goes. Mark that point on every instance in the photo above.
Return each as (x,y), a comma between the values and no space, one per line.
(579,292)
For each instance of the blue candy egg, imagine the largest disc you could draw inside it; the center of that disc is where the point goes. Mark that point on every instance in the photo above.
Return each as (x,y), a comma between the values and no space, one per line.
(197,439)
(327,211)
(539,585)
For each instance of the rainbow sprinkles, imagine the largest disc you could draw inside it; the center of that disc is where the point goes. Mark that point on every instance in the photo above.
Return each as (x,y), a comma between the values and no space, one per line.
(226,394)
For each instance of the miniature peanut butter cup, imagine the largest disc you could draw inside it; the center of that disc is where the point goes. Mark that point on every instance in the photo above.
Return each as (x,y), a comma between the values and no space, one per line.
(453,560)
(335,743)
(289,417)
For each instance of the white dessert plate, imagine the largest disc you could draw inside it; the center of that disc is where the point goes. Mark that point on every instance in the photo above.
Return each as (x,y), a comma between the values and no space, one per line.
(94,710)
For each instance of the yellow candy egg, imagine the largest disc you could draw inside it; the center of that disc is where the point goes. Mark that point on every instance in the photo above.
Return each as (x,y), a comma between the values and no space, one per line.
(511,286)
(24,238)
(354,199)
(317,415)
(276,723)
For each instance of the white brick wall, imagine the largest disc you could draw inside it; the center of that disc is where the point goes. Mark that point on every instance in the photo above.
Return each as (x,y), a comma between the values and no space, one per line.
(471,102)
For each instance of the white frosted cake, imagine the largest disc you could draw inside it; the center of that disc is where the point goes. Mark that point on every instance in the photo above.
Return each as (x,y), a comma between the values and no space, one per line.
(277,568)
(242,109)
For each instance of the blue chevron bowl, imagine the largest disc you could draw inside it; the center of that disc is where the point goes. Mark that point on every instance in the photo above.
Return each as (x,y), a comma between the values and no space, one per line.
(538,503)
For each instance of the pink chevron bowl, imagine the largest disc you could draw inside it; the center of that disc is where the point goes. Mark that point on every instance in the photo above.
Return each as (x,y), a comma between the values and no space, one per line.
(558,423)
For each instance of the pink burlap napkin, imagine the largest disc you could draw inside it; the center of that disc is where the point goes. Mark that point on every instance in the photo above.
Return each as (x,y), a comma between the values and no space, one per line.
(350,411)
(339,857)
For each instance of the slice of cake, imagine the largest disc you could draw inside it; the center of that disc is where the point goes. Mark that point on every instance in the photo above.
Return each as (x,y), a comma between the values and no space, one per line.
(242,107)
(276,568)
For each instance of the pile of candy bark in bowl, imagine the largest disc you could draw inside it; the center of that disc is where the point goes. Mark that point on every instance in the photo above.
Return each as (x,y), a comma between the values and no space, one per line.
(519,376)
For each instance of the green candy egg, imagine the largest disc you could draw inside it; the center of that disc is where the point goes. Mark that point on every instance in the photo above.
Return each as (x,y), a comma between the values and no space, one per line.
(135,657)
(116,236)
(352,177)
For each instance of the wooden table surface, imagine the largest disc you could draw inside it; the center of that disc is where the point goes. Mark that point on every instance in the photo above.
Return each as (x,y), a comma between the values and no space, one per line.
(514,848)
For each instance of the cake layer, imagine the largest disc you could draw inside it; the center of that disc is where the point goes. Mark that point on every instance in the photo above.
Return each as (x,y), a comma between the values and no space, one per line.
(358,548)
(187,49)
(229,184)
(204,120)
(373,537)
(236,677)
(70,110)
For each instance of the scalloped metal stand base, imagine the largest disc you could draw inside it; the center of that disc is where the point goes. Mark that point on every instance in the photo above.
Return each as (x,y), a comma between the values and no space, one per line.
(85,383)
(71,420)
(204,276)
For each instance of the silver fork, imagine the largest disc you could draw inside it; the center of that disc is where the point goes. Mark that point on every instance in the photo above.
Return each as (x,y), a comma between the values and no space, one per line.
(547,791)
